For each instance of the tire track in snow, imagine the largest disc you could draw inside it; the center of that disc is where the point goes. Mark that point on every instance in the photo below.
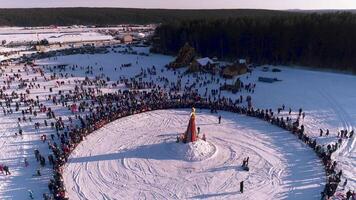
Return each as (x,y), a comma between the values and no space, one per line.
(347,151)
(159,176)
(347,121)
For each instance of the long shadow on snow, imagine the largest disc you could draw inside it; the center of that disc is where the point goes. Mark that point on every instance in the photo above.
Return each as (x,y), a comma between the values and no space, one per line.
(205,196)
(159,151)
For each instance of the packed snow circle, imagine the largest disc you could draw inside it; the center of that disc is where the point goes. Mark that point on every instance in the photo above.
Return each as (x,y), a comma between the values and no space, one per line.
(138,157)
(105,126)
(193,151)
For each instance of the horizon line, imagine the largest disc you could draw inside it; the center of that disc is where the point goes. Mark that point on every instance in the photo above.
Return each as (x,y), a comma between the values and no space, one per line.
(153,8)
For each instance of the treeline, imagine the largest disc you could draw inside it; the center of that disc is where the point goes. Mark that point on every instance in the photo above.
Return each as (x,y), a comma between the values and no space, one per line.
(114,16)
(316,40)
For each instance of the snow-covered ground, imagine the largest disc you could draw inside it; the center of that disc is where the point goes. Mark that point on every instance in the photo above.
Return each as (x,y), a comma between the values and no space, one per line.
(65,34)
(54,37)
(137,158)
(78,29)
(10,49)
(327,98)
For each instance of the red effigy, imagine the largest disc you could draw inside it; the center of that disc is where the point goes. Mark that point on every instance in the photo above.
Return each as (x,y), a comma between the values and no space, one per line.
(191,134)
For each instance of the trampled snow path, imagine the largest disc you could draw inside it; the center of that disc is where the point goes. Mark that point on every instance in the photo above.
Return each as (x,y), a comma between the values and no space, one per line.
(136,158)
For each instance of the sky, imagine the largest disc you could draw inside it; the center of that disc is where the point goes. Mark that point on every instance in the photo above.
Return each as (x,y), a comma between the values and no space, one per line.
(186,4)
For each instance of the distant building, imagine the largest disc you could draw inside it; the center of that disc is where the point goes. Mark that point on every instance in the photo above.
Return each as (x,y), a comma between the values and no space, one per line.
(230,71)
(126,39)
(40,48)
(203,64)
(242,61)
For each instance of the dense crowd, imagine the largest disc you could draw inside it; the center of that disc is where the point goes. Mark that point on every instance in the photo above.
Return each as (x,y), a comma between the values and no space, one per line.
(91,109)
(123,103)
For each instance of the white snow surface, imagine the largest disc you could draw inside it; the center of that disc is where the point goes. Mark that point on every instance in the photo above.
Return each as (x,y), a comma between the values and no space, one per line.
(132,158)
(117,161)
(56,37)
(193,151)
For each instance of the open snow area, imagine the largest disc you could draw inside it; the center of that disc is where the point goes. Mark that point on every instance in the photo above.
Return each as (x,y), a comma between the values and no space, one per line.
(135,157)
(63,34)
(54,37)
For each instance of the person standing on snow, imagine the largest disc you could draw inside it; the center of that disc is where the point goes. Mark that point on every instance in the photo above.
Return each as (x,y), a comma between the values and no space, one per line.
(37,154)
(300,111)
(6,170)
(242,186)
(26,162)
(344,185)
(19,128)
(30,194)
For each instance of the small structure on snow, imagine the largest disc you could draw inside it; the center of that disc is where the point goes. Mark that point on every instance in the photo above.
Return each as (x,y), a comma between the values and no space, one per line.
(234,70)
(204,61)
(126,39)
(234,88)
(267,79)
(203,64)
(276,70)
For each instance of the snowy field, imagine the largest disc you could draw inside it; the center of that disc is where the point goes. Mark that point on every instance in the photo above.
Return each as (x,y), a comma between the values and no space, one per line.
(137,158)
(78,29)
(63,34)
(134,153)
(54,37)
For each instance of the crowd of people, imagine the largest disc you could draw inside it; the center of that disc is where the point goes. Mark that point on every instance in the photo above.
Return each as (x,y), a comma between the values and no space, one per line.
(91,109)
(123,103)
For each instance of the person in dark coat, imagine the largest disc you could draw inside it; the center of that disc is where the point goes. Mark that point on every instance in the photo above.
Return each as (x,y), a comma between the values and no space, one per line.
(6,170)
(242,187)
(348,194)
